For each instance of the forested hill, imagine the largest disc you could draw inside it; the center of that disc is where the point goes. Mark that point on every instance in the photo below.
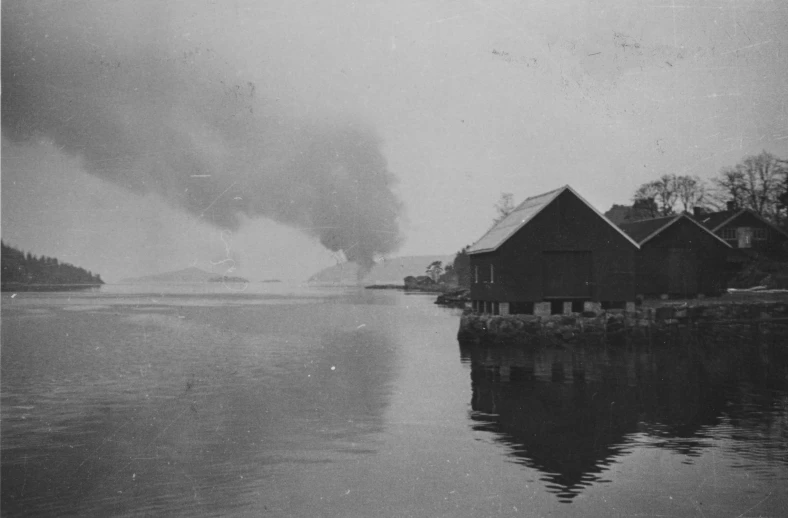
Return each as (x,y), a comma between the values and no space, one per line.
(22,271)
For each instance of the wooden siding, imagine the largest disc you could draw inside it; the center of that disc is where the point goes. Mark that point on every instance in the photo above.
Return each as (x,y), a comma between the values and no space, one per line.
(567,275)
(565,225)
(683,260)
(773,242)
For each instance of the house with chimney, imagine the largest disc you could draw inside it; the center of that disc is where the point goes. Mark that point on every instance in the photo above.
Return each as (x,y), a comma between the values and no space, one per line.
(745,229)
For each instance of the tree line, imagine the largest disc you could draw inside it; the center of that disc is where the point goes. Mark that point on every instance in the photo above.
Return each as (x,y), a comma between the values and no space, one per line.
(20,270)
(758,182)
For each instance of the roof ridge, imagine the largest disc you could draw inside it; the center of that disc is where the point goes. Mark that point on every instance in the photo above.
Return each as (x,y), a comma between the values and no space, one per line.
(694,221)
(552,195)
(510,224)
(543,194)
(650,219)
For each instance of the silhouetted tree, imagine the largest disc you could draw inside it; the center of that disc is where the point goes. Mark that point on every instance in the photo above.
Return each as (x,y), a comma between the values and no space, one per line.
(758,182)
(462,267)
(435,269)
(505,206)
(663,192)
(690,191)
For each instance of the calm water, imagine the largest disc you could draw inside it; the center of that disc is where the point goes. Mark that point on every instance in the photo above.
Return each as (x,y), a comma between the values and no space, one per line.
(359,403)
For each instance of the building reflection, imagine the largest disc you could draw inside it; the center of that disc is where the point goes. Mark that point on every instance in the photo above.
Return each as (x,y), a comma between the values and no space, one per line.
(570,413)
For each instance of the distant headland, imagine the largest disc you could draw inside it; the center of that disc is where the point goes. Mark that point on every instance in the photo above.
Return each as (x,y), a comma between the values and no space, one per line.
(26,272)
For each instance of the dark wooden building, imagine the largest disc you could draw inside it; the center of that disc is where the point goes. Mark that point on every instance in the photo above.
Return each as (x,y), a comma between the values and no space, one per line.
(678,257)
(553,247)
(745,229)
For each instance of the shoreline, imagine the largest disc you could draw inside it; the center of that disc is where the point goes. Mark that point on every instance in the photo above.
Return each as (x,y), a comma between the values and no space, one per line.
(645,322)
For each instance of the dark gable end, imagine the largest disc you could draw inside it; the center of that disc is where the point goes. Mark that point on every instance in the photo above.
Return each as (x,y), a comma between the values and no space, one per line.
(678,256)
(746,229)
(554,248)
(645,230)
(524,213)
(640,230)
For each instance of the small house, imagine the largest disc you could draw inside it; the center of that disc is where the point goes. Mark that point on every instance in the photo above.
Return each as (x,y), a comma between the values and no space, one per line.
(553,248)
(678,257)
(746,229)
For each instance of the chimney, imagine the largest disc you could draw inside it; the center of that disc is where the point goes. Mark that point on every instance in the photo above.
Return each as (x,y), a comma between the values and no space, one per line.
(730,206)
(697,212)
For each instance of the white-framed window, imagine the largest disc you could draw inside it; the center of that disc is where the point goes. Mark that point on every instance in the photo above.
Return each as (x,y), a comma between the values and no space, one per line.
(728,233)
(492,274)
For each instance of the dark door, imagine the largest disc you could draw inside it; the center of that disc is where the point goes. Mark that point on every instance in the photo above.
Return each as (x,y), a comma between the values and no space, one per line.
(683,272)
(567,274)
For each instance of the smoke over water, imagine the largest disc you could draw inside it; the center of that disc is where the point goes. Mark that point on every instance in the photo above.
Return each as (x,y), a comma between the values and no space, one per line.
(176,120)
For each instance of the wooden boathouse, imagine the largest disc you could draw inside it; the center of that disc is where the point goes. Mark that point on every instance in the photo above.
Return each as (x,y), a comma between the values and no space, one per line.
(552,254)
(678,257)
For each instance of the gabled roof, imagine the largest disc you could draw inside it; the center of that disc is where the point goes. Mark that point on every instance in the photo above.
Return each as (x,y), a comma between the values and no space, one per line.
(714,220)
(642,230)
(717,220)
(647,229)
(522,214)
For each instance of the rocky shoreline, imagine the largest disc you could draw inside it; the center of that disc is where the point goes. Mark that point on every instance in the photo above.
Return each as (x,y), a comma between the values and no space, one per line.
(457,298)
(612,326)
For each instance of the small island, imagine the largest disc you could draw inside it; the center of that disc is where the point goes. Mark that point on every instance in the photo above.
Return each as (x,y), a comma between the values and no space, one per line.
(228,278)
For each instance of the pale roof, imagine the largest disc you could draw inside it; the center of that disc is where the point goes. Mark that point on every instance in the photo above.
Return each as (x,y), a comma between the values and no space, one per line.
(522,214)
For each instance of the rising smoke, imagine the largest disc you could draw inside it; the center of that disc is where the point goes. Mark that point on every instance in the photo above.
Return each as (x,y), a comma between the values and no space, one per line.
(177,121)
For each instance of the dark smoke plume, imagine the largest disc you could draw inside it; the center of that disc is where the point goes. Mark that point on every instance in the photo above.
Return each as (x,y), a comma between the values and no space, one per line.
(177,121)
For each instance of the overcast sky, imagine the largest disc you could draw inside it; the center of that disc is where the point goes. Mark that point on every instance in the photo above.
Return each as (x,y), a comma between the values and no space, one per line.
(272,139)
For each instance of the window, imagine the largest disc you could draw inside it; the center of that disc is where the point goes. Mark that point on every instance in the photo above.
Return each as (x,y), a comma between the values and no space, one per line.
(728,233)
(759,234)
(476,274)
(492,274)
(745,237)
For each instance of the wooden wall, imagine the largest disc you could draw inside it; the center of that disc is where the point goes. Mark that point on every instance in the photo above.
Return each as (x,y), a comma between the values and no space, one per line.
(684,260)
(525,268)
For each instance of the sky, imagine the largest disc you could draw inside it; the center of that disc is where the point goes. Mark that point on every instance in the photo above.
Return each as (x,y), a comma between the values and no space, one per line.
(270,139)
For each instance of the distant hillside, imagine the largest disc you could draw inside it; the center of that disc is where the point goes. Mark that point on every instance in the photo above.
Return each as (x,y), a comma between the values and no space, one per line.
(390,271)
(187,276)
(22,272)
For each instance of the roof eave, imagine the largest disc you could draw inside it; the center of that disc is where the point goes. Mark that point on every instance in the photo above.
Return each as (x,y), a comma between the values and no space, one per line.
(693,220)
(553,196)
(750,211)
(704,227)
(735,215)
(615,227)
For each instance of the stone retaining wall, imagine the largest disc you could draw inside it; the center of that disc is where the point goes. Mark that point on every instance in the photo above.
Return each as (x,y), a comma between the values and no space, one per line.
(601,326)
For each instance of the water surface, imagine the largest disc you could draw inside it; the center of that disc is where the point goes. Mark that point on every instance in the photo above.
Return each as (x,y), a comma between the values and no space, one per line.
(277,401)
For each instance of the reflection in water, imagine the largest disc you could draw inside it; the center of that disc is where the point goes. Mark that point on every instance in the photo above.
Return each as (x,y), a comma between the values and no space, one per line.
(571,413)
